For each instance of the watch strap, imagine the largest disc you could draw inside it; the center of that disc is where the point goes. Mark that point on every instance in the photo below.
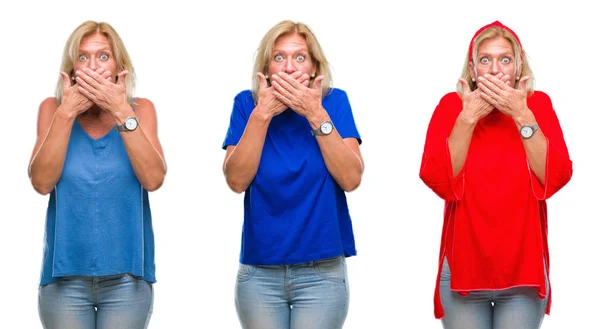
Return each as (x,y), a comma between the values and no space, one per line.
(317,131)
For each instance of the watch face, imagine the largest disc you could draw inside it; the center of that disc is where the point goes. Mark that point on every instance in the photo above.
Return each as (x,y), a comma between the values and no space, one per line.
(131,123)
(326,128)
(526,131)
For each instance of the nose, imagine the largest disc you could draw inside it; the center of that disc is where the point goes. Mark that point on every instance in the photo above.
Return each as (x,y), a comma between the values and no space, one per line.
(495,69)
(289,66)
(93,65)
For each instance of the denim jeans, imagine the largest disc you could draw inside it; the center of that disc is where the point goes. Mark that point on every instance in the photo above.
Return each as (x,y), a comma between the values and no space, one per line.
(310,295)
(514,308)
(79,302)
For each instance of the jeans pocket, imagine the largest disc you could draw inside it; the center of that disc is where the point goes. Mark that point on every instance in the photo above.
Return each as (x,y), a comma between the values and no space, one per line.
(245,272)
(331,269)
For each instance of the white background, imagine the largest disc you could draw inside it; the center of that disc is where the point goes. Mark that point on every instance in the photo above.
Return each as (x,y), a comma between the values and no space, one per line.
(395,61)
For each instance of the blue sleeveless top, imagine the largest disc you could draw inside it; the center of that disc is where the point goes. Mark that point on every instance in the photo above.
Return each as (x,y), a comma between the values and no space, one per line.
(294,210)
(98,220)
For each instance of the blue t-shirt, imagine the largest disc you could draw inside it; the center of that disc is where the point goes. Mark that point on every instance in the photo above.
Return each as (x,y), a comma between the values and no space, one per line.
(98,220)
(294,211)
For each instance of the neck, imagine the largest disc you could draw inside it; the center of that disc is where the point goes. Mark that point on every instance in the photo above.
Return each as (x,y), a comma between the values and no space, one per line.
(94,112)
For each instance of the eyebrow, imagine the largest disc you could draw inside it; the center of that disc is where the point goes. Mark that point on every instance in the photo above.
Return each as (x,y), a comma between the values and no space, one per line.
(302,49)
(502,54)
(97,50)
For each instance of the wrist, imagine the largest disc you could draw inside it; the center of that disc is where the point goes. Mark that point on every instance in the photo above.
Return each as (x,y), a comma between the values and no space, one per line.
(526,117)
(316,119)
(65,114)
(467,120)
(260,116)
(122,114)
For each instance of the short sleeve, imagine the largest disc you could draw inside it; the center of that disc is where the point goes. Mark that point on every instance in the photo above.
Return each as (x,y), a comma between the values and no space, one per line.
(343,119)
(238,119)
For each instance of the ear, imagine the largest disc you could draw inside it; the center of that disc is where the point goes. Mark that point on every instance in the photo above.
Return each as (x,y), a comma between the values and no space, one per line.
(519,70)
(471,70)
(313,72)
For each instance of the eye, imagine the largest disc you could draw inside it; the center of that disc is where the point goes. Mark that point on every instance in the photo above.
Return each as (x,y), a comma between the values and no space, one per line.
(301,58)
(484,60)
(82,57)
(505,60)
(278,58)
(104,57)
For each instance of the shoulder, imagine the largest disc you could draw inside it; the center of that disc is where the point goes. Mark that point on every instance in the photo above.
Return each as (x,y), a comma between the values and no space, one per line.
(538,97)
(244,96)
(540,104)
(539,101)
(49,104)
(144,107)
(335,94)
(47,108)
(143,103)
(451,98)
(244,102)
(336,100)
(449,103)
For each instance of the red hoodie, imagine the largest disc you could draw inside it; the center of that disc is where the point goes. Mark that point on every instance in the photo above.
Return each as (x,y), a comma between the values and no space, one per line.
(495,220)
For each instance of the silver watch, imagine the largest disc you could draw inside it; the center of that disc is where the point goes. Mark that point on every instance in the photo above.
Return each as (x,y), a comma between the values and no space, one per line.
(528,130)
(130,124)
(324,129)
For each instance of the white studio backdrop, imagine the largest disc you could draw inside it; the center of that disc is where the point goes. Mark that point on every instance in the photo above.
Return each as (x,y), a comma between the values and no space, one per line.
(395,61)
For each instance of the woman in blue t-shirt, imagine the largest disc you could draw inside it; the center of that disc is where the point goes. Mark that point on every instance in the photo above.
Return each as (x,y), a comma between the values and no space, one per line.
(293,148)
(98,155)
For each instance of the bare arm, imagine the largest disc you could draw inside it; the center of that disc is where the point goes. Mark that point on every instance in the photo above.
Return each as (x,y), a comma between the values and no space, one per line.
(53,132)
(48,157)
(143,147)
(536,147)
(342,156)
(241,161)
(459,142)
(142,144)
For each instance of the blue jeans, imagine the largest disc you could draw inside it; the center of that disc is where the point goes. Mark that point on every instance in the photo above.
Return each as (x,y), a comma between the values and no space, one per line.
(514,308)
(108,302)
(310,295)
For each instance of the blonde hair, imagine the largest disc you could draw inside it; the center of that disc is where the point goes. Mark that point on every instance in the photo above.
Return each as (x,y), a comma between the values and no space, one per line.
(71,53)
(265,53)
(520,60)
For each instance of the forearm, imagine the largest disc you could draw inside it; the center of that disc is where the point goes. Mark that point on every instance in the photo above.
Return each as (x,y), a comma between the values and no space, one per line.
(536,147)
(459,142)
(147,163)
(344,165)
(241,166)
(46,165)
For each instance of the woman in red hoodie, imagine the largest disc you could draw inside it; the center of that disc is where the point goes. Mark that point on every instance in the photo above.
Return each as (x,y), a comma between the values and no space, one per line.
(494,152)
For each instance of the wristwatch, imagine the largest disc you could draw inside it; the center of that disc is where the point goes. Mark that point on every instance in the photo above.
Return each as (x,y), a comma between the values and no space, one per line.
(528,130)
(130,124)
(324,129)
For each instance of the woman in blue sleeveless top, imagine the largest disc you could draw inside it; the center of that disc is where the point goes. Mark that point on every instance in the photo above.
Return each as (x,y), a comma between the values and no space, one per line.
(293,148)
(97,154)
